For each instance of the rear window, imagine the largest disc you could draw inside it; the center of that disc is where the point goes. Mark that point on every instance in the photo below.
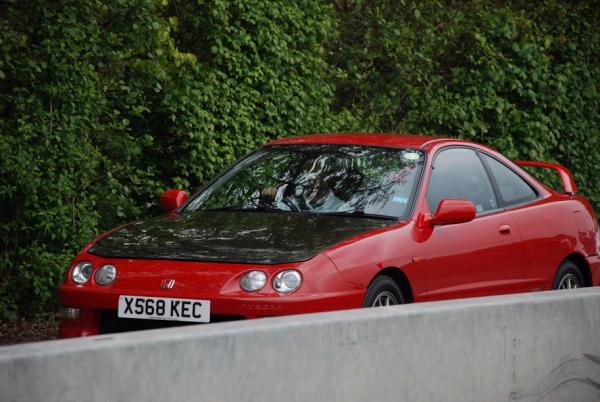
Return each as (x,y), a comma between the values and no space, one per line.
(512,188)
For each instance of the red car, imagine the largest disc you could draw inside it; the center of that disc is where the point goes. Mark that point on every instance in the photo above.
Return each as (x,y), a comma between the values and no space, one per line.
(336,221)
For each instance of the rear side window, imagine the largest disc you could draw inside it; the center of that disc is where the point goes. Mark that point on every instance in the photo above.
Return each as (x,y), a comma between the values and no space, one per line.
(459,173)
(511,187)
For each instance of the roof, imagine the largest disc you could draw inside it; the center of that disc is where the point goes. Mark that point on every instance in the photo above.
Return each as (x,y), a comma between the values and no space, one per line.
(375,139)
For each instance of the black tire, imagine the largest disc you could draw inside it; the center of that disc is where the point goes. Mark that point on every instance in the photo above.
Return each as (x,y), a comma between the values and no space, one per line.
(568,276)
(382,287)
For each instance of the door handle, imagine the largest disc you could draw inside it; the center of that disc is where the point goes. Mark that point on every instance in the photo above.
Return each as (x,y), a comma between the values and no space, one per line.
(504,229)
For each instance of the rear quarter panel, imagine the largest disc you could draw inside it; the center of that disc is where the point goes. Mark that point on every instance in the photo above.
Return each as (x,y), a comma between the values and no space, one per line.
(551,230)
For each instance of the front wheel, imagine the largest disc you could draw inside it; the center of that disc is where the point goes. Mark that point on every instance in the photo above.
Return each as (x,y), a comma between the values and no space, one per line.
(383,291)
(568,276)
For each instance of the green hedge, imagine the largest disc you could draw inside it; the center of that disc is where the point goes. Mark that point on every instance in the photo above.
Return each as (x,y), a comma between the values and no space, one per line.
(523,77)
(105,103)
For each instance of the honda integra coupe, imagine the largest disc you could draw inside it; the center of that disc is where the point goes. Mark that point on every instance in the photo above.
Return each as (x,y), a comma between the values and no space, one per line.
(336,221)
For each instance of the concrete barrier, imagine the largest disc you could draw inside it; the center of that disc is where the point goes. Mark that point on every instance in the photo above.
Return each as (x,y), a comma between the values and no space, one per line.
(530,347)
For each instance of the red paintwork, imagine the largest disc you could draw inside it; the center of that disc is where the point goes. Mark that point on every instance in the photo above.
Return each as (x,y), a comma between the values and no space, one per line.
(565,174)
(514,250)
(172,199)
(388,140)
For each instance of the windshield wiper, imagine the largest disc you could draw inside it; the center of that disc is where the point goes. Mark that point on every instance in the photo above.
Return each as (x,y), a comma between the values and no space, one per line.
(236,209)
(241,209)
(359,214)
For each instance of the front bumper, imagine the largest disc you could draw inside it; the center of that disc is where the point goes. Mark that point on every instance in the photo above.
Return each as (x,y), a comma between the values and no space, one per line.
(323,289)
(96,308)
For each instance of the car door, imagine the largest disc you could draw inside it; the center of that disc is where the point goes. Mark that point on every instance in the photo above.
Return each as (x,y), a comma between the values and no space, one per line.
(477,258)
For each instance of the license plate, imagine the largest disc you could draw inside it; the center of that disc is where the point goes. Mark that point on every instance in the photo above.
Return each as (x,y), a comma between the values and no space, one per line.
(164,308)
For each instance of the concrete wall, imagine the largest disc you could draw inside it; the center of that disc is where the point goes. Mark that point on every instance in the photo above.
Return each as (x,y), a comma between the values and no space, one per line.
(531,347)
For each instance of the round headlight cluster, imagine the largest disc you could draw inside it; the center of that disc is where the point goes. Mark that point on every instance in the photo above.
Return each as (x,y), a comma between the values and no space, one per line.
(284,282)
(253,281)
(287,281)
(82,272)
(106,275)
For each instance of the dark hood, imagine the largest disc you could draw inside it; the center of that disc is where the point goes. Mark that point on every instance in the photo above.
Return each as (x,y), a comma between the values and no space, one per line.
(227,236)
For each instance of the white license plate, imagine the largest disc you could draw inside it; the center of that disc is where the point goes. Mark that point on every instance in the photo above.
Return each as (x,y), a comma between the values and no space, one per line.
(164,308)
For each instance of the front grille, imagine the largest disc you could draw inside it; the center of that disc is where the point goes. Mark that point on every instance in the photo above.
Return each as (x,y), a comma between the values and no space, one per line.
(111,323)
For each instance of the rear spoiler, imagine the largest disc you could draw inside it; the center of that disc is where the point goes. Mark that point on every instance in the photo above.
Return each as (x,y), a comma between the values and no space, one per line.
(565,174)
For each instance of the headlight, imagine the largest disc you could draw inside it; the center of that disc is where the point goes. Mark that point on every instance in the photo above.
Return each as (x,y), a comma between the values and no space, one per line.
(287,281)
(82,272)
(106,275)
(253,281)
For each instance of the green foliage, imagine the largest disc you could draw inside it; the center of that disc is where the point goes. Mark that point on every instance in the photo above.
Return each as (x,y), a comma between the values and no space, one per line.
(257,72)
(105,103)
(523,77)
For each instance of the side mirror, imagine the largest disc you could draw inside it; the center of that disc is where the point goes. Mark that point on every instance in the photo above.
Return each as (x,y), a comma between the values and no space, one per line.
(170,200)
(452,211)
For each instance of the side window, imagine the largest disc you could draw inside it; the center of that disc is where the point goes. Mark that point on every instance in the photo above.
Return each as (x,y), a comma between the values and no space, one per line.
(511,187)
(459,173)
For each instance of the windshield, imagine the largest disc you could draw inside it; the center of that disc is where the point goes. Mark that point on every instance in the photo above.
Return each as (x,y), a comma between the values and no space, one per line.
(324,179)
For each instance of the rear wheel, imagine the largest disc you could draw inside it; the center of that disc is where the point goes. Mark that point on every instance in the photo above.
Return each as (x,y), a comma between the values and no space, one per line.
(568,276)
(383,291)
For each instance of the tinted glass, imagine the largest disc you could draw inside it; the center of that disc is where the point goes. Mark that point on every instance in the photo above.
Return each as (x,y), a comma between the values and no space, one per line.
(459,173)
(512,188)
(318,179)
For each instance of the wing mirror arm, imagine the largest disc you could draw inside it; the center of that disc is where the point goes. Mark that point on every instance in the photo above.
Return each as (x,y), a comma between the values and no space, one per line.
(425,221)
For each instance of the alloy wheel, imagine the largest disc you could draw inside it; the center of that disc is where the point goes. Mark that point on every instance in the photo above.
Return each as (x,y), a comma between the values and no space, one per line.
(385,298)
(569,281)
